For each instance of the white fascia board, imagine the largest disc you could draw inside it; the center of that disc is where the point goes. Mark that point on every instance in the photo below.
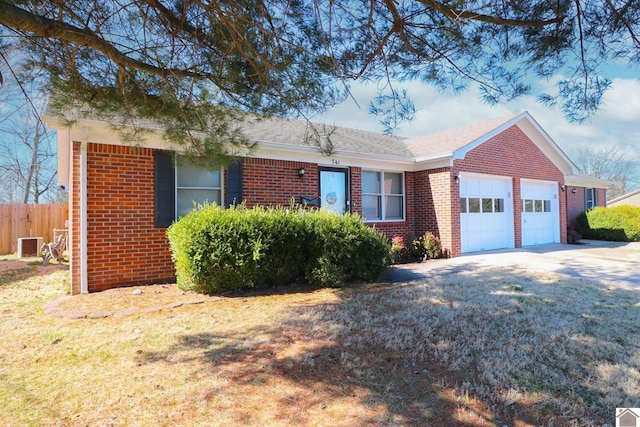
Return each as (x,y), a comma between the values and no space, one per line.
(461,153)
(587,181)
(435,158)
(102,132)
(535,133)
(309,153)
(435,163)
(546,144)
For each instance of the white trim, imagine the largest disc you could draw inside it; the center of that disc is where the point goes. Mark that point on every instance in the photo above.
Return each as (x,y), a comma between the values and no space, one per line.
(84,212)
(556,155)
(461,153)
(63,139)
(587,181)
(535,133)
(538,181)
(176,187)
(382,195)
(475,175)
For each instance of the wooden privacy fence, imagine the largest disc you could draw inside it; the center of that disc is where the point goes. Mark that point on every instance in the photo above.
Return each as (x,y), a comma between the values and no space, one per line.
(18,220)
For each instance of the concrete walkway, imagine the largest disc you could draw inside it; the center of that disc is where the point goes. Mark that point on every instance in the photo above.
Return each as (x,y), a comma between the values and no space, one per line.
(596,260)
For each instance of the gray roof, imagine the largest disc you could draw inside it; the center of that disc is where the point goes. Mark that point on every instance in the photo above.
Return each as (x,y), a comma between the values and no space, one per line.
(447,141)
(275,130)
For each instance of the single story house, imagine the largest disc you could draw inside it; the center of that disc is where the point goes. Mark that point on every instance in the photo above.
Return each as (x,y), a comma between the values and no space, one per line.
(632,199)
(501,183)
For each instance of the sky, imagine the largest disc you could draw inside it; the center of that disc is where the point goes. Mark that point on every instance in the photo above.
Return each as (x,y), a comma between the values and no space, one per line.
(616,123)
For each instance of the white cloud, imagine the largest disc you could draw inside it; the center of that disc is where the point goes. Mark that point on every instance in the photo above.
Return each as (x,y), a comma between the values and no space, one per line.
(621,103)
(618,121)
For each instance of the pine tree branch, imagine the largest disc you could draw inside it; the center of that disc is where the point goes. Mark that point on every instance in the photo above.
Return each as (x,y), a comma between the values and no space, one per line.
(22,20)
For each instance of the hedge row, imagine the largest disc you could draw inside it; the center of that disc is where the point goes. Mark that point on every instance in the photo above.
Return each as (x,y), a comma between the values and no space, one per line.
(616,223)
(216,249)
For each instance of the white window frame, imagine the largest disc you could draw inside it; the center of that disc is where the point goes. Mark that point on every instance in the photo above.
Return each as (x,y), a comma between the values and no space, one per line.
(592,202)
(381,195)
(219,189)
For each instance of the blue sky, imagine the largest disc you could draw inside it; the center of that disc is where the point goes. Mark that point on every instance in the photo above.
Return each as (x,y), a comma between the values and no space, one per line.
(617,122)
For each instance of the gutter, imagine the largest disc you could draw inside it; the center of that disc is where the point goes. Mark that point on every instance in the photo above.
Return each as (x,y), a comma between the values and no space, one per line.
(84,282)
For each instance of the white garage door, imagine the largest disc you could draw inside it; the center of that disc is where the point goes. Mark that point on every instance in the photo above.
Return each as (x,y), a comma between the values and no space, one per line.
(540,212)
(486,213)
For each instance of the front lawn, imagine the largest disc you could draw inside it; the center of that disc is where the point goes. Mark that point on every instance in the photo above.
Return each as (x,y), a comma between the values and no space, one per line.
(478,348)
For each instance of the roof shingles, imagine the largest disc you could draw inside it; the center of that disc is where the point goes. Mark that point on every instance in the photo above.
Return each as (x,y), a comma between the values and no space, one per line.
(448,141)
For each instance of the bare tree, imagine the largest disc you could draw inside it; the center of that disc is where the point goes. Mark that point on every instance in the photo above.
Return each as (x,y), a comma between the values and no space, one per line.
(28,159)
(608,162)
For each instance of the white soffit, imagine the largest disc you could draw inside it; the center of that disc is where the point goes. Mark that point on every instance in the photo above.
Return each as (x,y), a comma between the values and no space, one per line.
(579,180)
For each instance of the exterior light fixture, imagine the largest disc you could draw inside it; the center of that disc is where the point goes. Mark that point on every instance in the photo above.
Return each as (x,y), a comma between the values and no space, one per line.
(301,172)
(573,191)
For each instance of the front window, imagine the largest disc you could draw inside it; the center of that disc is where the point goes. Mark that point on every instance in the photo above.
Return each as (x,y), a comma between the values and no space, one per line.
(382,196)
(589,198)
(196,185)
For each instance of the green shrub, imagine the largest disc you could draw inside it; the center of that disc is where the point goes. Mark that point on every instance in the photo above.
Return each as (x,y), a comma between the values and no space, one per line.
(216,249)
(617,223)
(415,249)
(398,251)
(343,248)
(432,246)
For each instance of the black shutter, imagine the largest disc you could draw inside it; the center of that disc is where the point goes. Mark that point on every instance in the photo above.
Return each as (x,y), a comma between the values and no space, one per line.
(234,184)
(165,188)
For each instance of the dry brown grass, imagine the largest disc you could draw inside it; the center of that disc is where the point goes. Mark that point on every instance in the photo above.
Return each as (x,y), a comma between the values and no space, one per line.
(484,347)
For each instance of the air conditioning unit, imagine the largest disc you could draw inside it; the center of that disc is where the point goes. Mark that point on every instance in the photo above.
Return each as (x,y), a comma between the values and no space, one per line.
(29,247)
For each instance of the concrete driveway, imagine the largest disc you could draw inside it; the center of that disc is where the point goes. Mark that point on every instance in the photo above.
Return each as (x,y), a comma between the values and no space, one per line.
(596,260)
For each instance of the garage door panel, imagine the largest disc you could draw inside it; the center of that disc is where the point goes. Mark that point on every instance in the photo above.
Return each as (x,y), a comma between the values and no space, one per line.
(486,219)
(540,213)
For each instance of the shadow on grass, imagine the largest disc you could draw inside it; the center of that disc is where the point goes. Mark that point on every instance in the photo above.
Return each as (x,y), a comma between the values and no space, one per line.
(474,347)
(12,271)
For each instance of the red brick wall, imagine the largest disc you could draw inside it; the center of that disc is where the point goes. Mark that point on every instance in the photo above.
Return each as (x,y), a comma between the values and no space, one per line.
(576,201)
(511,153)
(602,197)
(276,182)
(434,210)
(124,247)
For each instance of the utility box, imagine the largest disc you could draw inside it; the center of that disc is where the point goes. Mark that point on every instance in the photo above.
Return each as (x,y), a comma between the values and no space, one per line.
(29,247)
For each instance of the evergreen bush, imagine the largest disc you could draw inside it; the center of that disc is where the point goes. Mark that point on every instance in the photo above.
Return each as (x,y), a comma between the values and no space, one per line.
(216,249)
(616,223)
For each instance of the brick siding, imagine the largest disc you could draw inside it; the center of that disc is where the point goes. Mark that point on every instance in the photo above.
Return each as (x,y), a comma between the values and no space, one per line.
(124,247)
(511,153)
(276,182)
(576,202)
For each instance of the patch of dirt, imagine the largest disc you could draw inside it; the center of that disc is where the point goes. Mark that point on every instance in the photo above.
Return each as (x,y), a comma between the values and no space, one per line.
(16,264)
(128,300)
(25,267)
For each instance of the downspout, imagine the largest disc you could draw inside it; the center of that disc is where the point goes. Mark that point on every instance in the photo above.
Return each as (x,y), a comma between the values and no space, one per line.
(84,280)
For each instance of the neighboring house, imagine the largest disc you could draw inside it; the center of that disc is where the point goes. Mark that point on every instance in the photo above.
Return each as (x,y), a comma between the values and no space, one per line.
(632,199)
(502,183)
